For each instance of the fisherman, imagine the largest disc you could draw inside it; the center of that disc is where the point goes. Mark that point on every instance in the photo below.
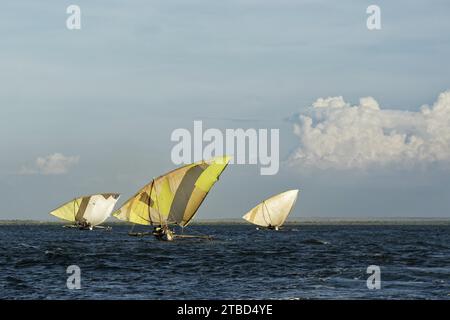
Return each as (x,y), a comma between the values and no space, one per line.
(167,234)
(84,225)
(158,232)
(163,233)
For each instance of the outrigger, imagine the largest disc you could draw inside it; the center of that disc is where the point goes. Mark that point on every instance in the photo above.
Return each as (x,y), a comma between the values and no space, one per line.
(86,226)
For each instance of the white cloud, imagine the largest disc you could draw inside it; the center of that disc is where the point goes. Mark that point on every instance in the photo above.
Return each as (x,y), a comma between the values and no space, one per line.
(52,164)
(335,134)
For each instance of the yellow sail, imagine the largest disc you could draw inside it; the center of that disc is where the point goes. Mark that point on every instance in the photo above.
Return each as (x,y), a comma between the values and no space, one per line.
(93,209)
(174,197)
(273,211)
(68,210)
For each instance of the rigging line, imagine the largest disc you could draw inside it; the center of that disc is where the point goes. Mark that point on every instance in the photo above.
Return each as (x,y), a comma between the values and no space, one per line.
(149,202)
(268,214)
(157,205)
(75,203)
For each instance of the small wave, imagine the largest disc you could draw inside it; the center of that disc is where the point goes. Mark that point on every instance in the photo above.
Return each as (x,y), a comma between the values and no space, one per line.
(26,245)
(431,270)
(270,252)
(315,241)
(16,282)
(54,252)
(27,263)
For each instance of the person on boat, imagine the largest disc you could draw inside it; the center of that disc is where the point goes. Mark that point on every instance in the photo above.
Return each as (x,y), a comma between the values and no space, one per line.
(84,225)
(158,232)
(163,233)
(167,234)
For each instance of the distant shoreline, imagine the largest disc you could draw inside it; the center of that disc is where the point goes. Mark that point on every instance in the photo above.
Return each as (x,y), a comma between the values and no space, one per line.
(295,221)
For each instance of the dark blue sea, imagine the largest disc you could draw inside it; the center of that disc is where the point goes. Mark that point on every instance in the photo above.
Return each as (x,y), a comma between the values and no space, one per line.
(299,262)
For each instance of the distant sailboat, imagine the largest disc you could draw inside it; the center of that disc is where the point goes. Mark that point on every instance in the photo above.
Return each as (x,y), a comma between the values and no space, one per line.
(272,212)
(173,198)
(89,211)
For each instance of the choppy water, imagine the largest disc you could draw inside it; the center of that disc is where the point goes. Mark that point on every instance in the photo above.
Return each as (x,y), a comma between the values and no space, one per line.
(241,263)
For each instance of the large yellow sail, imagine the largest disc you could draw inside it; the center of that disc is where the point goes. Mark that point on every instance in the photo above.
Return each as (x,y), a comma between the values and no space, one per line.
(174,197)
(274,210)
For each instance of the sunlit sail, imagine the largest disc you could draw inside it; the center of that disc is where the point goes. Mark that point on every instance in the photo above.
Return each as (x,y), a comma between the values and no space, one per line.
(273,212)
(88,211)
(173,198)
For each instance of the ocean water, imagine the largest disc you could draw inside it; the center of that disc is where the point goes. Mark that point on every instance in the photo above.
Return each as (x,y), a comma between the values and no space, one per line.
(300,262)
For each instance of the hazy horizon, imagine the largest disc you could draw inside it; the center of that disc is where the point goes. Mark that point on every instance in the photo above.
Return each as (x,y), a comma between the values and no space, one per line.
(289,221)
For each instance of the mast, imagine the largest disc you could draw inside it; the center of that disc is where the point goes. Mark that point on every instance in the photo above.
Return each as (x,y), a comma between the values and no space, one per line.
(264,205)
(157,204)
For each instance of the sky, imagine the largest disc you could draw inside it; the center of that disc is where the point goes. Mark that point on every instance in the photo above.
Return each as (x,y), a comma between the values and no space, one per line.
(92,110)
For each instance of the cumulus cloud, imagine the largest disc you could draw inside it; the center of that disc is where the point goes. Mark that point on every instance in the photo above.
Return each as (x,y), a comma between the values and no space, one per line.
(336,134)
(52,164)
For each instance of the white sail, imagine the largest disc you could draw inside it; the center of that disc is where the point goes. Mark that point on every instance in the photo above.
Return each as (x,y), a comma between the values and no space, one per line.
(99,209)
(273,211)
(93,209)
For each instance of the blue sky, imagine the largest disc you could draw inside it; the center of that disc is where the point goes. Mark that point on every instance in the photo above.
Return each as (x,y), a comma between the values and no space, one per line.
(111,93)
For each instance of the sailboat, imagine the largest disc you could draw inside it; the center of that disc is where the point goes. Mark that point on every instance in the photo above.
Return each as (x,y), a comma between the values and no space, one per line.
(173,198)
(273,212)
(87,212)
